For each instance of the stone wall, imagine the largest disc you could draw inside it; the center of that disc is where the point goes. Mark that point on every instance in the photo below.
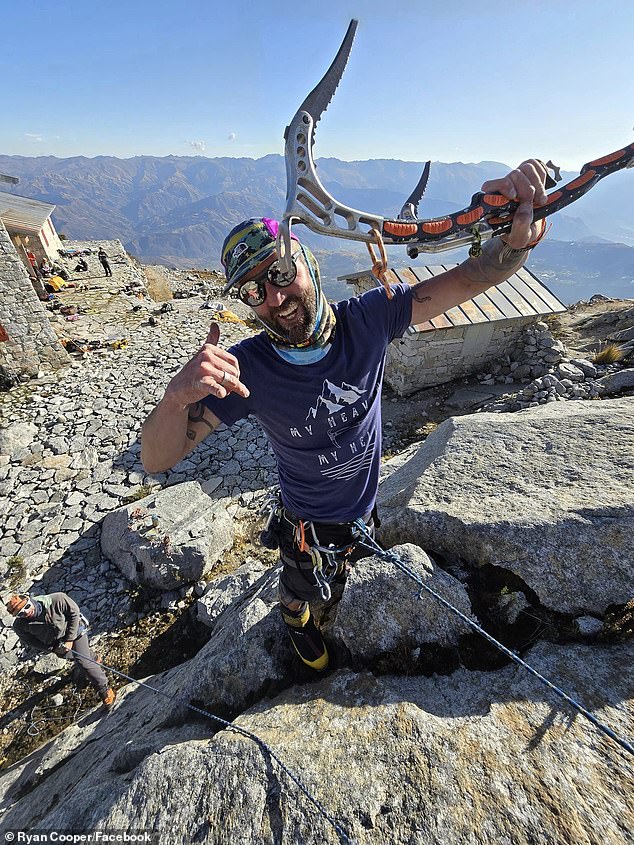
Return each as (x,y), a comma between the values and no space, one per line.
(424,359)
(29,341)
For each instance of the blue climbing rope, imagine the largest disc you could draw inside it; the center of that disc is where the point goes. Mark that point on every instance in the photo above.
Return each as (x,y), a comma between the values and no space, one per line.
(368,542)
(343,836)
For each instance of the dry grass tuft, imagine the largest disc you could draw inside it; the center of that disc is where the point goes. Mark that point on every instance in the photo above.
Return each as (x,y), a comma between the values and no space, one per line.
(618,624)
(609,353)
(16,571)
(139,493)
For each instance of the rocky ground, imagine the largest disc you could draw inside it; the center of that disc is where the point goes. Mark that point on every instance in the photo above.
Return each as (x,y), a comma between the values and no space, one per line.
(69,454)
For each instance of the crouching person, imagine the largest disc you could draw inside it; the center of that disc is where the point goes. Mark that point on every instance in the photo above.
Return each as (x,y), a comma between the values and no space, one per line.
(54,623)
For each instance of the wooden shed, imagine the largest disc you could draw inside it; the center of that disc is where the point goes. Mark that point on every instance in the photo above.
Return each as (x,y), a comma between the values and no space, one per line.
(463,340)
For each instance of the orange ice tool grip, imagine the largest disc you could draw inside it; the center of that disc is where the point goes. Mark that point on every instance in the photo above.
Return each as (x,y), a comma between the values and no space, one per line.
(497,212)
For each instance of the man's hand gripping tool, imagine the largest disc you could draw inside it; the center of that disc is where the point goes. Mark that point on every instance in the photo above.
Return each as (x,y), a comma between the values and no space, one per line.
(486,216)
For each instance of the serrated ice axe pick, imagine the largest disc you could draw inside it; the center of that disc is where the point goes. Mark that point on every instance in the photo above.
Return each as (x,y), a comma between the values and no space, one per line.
(486,216)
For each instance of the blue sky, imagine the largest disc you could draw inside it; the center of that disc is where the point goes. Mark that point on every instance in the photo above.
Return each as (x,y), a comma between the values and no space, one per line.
(450,81)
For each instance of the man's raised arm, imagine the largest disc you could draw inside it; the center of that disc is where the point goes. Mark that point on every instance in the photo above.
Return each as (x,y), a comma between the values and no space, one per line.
(501,256)
(180,420)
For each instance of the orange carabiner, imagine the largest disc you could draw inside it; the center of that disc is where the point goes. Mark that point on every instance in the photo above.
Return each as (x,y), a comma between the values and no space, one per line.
(379,268)
(300,537)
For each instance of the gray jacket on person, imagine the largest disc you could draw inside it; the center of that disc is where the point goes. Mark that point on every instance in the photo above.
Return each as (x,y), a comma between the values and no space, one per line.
(59,621)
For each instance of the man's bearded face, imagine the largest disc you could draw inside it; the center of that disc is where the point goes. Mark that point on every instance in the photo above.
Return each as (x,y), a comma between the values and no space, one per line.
(293,320)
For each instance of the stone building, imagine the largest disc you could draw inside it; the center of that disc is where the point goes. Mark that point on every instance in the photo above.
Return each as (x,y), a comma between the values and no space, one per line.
(27,340)
(30,227)
(463,340)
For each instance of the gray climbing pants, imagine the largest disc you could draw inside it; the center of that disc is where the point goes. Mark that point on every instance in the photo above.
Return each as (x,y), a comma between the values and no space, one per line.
(84,656)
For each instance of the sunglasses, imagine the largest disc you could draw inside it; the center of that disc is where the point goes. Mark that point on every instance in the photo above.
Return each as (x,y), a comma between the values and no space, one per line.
(253,291)
(25,610)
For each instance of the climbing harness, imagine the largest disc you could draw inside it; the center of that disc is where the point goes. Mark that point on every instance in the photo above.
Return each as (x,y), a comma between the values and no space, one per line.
(273,508)
(264,746)
(487,215)
(326,561)
(367,541)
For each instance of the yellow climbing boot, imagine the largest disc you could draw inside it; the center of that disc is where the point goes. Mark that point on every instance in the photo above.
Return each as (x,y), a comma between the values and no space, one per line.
(306,638)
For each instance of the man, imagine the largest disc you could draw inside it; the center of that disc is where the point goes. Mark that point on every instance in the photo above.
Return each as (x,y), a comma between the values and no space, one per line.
(103,258)
(54,623)
(313,379)
(33,262)
(36,277)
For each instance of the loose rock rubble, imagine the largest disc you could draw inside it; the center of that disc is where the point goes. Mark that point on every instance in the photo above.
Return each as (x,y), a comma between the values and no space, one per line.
(540,362)
(173,537)
(70,449)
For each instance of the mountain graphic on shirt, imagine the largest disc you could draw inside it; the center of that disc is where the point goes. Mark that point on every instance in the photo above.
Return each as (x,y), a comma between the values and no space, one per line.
(335,398)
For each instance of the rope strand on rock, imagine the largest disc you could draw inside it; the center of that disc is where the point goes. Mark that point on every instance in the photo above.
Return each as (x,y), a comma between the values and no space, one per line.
(370,543)
(36,721)
(341,833)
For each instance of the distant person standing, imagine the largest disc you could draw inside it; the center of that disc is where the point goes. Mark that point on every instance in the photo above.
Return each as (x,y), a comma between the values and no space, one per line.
(102,256)
(33,262)
(54,623)
(36,277)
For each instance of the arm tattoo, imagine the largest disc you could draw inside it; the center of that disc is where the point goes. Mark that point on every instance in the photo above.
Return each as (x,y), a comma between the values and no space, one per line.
(196,414)
(417,293)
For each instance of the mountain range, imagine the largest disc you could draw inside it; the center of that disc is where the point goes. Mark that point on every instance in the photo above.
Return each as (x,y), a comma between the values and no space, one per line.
(176,210)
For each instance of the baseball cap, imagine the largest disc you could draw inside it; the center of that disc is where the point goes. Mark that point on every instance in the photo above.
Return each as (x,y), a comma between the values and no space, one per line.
(248,245)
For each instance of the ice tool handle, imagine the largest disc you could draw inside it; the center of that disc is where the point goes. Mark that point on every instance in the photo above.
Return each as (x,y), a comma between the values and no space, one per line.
(492,214)
(487,215)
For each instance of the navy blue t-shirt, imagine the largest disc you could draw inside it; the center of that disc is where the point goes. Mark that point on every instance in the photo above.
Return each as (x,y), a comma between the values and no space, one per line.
(324,419)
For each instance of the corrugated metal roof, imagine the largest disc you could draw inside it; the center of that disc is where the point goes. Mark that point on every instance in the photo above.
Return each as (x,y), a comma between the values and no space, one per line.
(522,295)
(24,213)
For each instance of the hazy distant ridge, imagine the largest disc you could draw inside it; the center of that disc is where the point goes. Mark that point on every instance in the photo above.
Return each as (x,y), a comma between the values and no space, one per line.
(176,210)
